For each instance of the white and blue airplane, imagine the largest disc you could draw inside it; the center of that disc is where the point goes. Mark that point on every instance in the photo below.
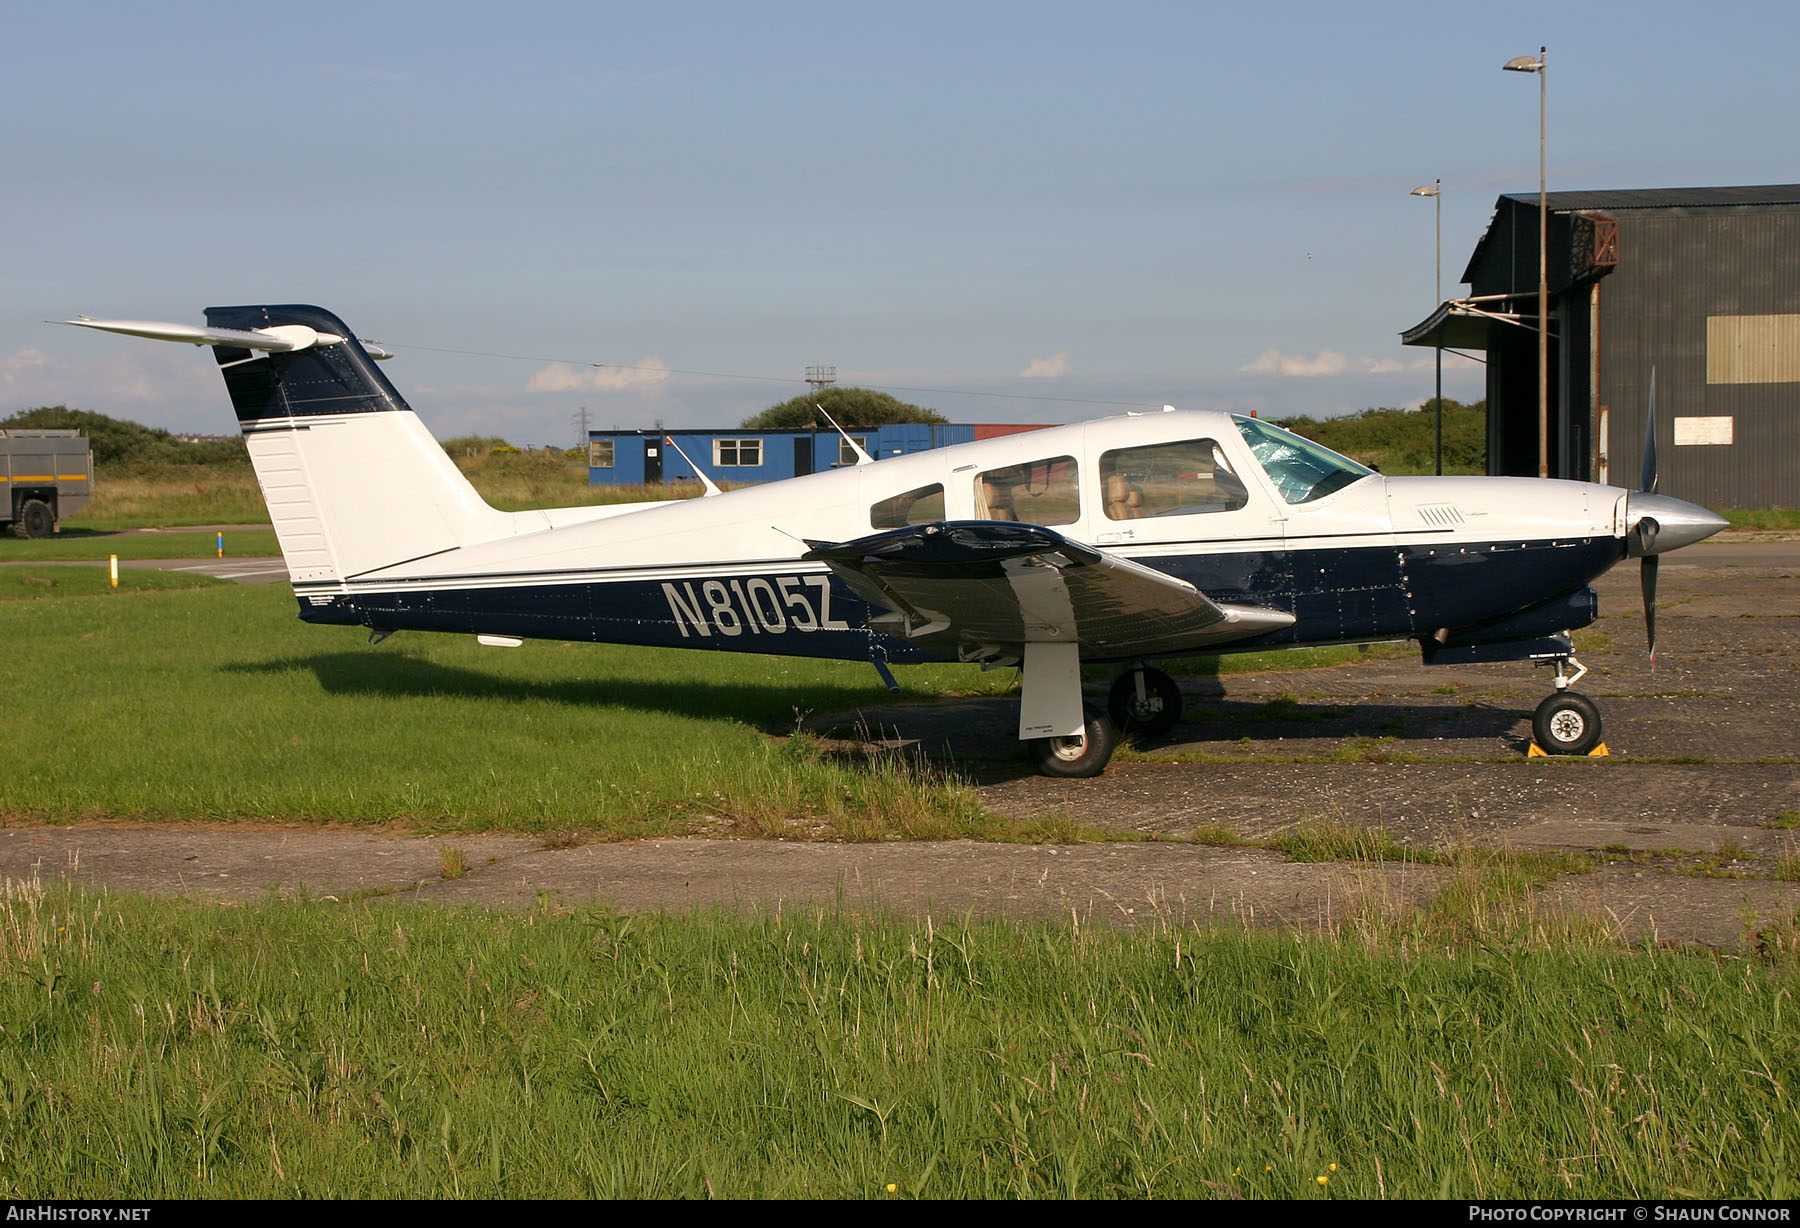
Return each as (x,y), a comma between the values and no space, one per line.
(1120,541)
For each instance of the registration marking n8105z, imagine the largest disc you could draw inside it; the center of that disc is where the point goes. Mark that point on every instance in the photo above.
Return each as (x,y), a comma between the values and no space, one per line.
(759,605)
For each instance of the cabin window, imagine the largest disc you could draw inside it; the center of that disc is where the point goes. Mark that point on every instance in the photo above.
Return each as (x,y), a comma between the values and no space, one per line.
(1169,479)
(922,506)
(1041,492)
(846,453)
(737,453)
(1301,469)
(600,454)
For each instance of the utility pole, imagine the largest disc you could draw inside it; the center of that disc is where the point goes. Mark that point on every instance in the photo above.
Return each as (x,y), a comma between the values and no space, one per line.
(580,419)
(1525,63)
(1435,190)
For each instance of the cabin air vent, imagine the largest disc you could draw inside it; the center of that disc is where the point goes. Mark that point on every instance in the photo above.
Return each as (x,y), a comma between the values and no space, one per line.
(1440,515)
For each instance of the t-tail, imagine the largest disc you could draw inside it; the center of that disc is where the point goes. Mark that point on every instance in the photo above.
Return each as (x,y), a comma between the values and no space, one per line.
(353,480)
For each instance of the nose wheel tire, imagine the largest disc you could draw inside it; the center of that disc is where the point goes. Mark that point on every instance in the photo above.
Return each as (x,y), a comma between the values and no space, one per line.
(1079,755)
(1566,724)
(1151,715)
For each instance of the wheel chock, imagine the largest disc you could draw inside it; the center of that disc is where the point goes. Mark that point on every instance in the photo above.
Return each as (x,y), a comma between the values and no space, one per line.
(1537,752)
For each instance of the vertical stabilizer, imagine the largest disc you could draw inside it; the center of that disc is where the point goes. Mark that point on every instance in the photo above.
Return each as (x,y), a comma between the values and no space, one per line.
(353,480)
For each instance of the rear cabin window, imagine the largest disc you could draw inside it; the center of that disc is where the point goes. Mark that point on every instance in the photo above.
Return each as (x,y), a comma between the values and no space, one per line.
(1041,492)
(1185,478)
(922,506)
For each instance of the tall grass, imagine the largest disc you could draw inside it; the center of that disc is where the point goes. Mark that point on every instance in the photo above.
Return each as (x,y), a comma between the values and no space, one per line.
(176,495)
(228,493)
(182,1050)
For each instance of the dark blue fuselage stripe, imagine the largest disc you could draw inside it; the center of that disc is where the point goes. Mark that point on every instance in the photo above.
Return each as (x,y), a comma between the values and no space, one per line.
(1336,594)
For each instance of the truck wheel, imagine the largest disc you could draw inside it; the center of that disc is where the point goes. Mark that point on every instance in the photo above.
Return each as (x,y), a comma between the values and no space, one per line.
(35,519)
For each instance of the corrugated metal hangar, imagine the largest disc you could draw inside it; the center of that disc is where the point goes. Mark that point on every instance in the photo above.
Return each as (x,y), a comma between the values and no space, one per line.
(1703,284)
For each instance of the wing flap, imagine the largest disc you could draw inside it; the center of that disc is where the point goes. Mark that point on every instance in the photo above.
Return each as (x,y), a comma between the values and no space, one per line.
(1003,583)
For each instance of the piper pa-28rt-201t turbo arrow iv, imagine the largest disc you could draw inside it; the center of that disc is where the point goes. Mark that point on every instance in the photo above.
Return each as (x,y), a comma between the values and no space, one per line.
(1120,541)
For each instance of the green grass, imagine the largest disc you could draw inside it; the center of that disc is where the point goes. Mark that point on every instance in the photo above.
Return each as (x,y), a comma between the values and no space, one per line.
(167,1049)
(79,544)
(1773,518)
(27,584)
(219,704)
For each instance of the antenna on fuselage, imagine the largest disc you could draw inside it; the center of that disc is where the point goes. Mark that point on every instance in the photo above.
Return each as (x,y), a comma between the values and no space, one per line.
(862,458)
(700,473)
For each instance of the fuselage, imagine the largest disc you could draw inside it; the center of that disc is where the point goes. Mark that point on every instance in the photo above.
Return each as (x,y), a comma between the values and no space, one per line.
(1206,497)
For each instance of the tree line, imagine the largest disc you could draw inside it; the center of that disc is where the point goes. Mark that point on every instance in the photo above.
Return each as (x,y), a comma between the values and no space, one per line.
(1396,441)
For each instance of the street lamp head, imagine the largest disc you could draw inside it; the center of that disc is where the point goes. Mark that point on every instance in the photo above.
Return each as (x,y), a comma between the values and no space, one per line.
(1523,63)
(1426,189)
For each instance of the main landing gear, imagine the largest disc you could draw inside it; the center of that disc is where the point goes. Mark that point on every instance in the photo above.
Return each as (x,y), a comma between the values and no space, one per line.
(1144,701)
(1078,755)
(1567,723)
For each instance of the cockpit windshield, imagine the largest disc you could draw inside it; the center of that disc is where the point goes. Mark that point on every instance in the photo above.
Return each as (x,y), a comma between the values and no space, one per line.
(1301,470)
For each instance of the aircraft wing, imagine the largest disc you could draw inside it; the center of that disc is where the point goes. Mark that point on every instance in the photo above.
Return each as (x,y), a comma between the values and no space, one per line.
(991,585)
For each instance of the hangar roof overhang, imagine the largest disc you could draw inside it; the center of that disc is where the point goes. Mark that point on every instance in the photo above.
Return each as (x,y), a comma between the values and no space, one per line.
(1469,323)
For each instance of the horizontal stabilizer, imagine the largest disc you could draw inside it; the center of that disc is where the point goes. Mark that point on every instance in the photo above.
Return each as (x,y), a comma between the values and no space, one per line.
(276,339)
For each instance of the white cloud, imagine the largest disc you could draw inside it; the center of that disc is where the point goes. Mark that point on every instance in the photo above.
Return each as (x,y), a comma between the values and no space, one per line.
(1331,362)
(1274,362)
(1054,367)
(18,363)
(646,372)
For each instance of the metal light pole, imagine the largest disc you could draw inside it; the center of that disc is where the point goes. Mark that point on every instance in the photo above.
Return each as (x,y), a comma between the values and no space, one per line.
(1525,63)
(1435,190)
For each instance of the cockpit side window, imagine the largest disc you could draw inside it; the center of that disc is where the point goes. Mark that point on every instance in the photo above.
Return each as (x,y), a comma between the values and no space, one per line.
(1185,478)
(1301,469)
(1040,492)
(922,506)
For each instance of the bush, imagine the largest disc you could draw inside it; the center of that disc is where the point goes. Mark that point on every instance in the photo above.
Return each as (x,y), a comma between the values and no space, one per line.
(130,447)
(1401,441)
(852,407)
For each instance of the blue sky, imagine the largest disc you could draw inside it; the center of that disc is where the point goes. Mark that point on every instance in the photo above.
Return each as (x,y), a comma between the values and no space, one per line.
(1033,211)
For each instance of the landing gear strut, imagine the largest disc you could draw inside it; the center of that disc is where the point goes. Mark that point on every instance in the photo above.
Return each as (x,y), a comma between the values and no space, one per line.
(1144,701)
(1567,723)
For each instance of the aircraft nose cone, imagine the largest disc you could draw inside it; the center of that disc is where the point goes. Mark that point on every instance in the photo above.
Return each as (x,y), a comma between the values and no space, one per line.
(1659,523)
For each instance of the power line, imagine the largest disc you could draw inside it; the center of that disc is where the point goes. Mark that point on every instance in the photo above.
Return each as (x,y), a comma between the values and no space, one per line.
(767,379)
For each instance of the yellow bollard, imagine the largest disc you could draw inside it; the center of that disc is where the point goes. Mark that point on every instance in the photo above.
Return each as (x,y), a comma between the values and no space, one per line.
(115,569)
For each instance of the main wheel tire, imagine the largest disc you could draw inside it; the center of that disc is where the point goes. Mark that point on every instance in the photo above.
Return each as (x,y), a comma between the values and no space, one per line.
(1082,755)
(35,519)
(1566,724)
(1155,714)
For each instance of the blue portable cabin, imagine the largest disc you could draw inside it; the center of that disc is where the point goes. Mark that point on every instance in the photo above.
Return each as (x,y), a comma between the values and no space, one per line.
(738,456)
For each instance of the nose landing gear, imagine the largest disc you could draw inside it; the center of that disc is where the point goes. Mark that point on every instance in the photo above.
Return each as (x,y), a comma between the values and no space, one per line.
(1566,723)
